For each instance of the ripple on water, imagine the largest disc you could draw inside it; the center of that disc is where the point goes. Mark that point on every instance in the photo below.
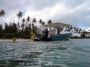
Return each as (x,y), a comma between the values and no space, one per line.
(45,54)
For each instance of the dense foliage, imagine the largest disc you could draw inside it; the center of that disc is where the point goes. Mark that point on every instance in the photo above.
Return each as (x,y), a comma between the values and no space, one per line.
(23,27)
(20,29)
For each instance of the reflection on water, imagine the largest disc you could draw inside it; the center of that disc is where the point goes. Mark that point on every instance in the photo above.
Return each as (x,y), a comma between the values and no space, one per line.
(72,53)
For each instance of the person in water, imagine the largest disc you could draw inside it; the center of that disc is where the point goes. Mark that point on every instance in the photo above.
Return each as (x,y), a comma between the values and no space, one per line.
(14,39)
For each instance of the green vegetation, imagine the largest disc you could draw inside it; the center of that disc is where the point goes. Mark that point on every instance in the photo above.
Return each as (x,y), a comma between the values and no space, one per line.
(23,27)
(20,29)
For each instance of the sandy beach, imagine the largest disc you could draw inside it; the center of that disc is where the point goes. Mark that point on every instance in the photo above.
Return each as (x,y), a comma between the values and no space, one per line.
(19,40)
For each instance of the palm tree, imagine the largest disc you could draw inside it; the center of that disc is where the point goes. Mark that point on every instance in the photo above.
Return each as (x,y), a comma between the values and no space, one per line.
(33,27)
(23,26)
(34,20)
(19,15)
(23,23)
(49,21)
(27,24)
(28,20)
(40,21)
(2,13)
(43,23)
(1,30)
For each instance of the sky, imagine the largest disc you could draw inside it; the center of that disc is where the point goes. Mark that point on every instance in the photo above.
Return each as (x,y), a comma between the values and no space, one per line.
(74,12)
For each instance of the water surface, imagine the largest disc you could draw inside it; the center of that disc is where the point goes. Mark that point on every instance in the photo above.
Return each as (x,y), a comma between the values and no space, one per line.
(72,53)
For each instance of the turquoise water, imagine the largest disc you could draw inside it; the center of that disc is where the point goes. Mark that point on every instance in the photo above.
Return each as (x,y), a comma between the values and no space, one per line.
(72,53)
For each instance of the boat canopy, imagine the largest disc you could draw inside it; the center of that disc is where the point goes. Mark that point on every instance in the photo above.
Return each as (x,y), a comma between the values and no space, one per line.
(56,28)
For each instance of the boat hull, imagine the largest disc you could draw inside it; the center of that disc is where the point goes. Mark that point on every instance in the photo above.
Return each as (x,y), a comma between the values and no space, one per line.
(56,37)
(60,37)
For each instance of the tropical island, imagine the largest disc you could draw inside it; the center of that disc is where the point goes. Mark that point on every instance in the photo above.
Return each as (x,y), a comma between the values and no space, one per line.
(24,27)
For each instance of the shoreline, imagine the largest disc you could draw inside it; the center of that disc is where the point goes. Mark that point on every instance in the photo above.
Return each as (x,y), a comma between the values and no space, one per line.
(80,38)
(16,40)
(29,40)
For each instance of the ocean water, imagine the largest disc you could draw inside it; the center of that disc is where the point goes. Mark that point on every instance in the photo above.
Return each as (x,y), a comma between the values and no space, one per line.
(72,53)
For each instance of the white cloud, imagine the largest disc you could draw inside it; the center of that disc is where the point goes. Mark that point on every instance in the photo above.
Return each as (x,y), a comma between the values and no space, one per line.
(75,12)
(48,12)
